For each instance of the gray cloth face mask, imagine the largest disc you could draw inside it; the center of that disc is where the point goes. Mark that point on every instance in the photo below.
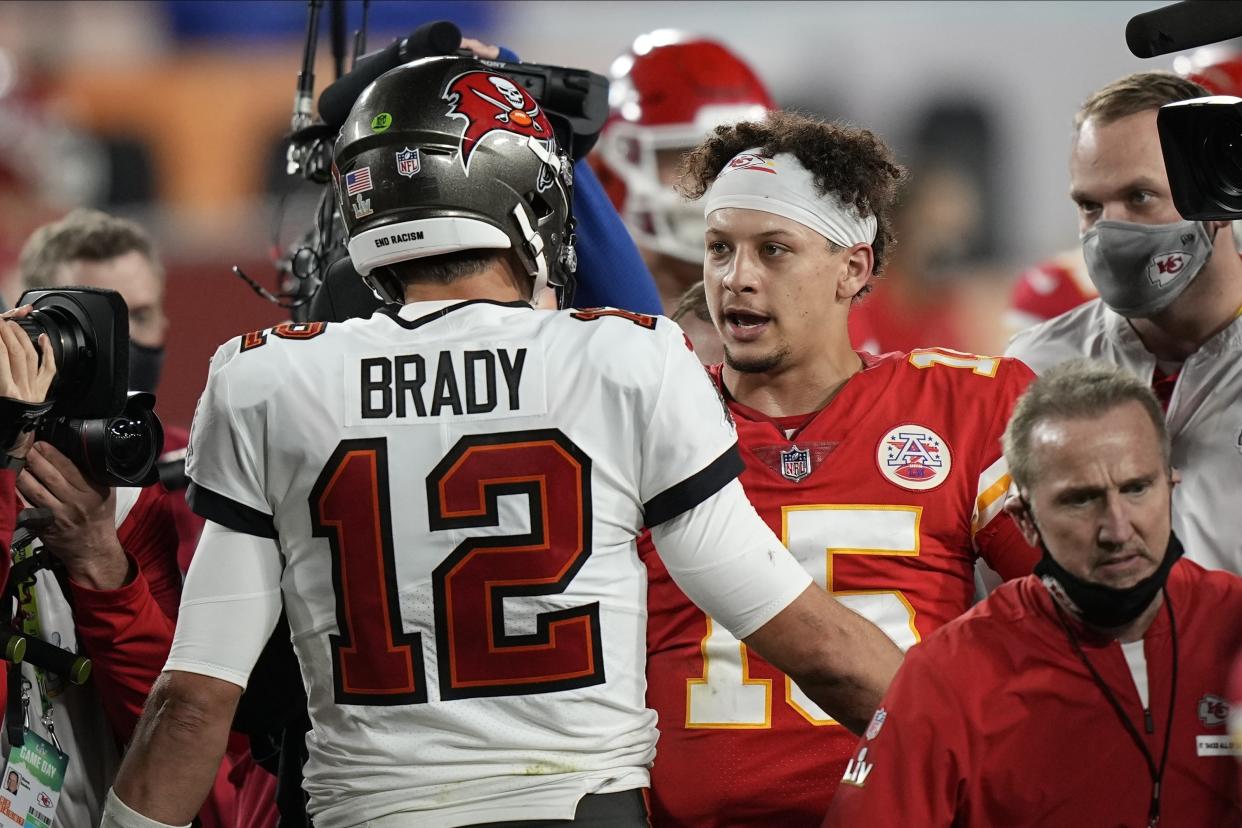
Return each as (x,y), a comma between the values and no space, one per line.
(1139,269)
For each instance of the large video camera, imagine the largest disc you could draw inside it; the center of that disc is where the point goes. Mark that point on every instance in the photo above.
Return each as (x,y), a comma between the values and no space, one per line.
(111,435)
(1201,139)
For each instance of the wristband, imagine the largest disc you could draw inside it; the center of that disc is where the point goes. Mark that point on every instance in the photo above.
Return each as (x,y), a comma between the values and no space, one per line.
(119,815)
(17,417)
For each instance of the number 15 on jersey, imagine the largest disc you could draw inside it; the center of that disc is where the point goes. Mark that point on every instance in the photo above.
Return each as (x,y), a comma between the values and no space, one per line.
(725,695)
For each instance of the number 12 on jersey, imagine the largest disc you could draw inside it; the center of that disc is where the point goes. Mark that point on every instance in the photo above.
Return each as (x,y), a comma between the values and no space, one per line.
(726,696)
(374,660)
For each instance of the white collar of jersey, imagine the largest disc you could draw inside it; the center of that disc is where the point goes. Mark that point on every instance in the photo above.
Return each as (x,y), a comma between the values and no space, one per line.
(428,309)
(413,310)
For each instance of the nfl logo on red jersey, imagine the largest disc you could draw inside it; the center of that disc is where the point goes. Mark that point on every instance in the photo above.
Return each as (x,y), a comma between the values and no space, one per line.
(877,722)
(795,463)
(408,163)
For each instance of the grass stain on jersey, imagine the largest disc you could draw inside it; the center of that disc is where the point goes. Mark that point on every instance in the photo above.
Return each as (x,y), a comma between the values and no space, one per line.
(547,769)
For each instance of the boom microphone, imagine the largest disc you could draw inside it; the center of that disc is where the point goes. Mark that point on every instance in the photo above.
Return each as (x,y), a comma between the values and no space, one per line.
(438,38)
(1185,25)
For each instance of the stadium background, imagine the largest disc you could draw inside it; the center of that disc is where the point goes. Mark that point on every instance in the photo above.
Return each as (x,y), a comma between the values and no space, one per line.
(172,113)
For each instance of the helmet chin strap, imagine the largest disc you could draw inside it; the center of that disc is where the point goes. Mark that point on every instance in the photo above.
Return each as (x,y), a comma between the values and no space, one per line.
(561,168)
(534,246)
(386,287)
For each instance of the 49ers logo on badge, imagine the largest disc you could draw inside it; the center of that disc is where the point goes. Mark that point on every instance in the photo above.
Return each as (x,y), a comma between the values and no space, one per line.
(914,457)
(489,103)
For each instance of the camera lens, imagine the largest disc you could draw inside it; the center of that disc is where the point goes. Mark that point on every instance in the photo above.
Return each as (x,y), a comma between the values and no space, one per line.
(112,451)
(1222,150)
(128,446)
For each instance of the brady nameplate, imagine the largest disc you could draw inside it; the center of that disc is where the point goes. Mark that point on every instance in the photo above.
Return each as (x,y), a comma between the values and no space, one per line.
(484,381)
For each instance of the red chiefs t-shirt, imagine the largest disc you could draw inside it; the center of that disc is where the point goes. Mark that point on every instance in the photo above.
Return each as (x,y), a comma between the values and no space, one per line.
(887,496)
(996,721)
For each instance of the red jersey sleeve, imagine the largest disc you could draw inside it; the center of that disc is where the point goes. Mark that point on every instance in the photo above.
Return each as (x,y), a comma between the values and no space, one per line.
(8,523)
(127,632)
(910,766)
(127,636)
(996,537)
(8,517)
(150,533)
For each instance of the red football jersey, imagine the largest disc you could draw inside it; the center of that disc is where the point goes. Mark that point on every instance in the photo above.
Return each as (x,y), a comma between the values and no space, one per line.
(1050,289)
(887,496)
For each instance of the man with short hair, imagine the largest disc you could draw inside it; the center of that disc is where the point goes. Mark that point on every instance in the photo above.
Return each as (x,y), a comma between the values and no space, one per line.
(1061,283)
(1170,304)
(881,474)
(114,593)
(1092,692)
(94,249)
(447,496)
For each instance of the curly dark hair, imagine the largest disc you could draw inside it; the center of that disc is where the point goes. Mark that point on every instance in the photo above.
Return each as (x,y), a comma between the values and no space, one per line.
(851,163)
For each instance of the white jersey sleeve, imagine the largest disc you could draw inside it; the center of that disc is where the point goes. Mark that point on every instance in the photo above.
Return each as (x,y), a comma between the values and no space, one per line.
(225,460)
(689,445)
(727,560)
(229,606)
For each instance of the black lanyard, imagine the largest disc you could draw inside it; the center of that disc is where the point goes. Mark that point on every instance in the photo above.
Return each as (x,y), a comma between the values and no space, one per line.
(1157,774)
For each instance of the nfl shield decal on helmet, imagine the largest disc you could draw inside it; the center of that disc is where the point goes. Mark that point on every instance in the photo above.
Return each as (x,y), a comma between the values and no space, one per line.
(914,457)
(408,163)
(795,463)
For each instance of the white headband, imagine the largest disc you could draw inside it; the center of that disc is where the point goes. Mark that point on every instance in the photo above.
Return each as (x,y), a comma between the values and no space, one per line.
(781,185)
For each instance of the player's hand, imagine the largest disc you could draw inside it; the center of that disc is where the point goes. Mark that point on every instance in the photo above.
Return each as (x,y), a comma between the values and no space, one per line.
(480,49)
(23,375)
(83,530)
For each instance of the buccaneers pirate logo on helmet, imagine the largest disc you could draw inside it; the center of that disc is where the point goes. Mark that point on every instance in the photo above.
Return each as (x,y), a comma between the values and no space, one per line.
(490,103)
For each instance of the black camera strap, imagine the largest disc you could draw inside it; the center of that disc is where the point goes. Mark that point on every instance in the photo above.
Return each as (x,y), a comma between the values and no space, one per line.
(21,417)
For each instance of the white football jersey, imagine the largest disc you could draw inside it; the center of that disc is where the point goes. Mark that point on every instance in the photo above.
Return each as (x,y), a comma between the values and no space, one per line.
(1204,417)
(455,490)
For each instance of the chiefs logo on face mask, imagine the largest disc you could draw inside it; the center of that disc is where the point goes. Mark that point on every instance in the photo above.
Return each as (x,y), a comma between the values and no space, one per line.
(490,103)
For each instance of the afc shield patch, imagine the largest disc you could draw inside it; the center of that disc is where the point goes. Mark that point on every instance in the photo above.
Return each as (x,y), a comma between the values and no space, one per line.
(914,457)
(795,464)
